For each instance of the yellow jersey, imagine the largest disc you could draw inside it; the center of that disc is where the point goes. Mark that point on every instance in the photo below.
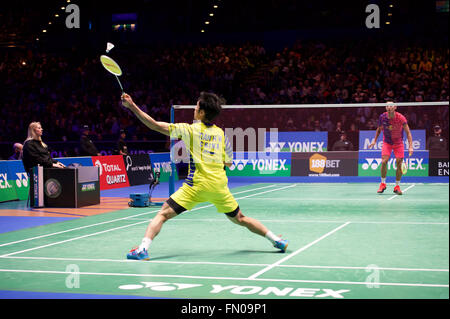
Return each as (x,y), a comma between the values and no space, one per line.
(208,149)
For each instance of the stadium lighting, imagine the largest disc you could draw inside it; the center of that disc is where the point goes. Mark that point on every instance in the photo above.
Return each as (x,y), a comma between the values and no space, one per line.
(215,6)
(206,22)
(63,8)
(211,14)
(44,30)
(56,15)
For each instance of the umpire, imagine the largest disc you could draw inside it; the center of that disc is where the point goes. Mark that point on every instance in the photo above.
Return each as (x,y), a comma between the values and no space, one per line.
(87,147)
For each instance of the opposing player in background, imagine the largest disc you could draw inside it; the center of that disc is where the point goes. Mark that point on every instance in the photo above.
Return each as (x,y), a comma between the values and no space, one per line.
(392,124)
(207,180)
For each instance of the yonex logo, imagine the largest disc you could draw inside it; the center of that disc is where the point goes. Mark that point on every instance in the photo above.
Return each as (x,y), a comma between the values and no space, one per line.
(239,164)
(260,165)
(372,163)
(275,147)
(412,164)
(22,179)
(165,166)
(242,290)
(159,286)
(4,181)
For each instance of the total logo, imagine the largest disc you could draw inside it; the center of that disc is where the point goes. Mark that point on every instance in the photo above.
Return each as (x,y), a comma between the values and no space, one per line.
(99,165)
(109,168)
(241,290)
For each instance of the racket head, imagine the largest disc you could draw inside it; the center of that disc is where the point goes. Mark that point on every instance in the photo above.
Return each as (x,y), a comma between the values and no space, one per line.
(404,168)
(110,65)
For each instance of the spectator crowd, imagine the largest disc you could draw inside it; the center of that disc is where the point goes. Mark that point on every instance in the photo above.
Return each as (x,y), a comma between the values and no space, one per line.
(67,91)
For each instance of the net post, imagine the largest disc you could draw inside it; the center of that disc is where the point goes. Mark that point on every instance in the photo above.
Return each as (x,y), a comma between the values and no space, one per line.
(172,164)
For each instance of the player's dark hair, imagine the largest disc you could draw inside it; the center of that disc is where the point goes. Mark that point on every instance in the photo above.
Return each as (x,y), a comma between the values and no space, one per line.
(211,104)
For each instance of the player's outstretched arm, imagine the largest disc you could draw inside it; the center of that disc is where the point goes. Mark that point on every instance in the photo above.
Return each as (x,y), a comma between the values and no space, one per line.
(161,127)
(409,137)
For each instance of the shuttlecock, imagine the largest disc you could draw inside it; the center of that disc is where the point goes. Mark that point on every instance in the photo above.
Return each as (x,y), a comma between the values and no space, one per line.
(109,46)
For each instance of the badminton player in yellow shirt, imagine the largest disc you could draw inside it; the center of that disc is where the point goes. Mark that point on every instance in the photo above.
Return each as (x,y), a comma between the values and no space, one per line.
(209,151)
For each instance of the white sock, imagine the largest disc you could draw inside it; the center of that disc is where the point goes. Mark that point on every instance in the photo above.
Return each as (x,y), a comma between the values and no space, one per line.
(273,238)
(145,244)
(397,183)
(383,180)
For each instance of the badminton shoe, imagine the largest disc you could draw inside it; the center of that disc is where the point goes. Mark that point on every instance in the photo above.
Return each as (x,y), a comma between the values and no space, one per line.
(138,255)
(281,244)
(397,190)
(381,188)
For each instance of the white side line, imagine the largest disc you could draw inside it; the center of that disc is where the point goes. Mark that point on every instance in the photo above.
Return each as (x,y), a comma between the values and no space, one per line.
(106,222)
(254,189)
(225,278)
(221,220)
(76,228)
(296,252)
(71,239)
(108,230)
(403,191)
(220,264)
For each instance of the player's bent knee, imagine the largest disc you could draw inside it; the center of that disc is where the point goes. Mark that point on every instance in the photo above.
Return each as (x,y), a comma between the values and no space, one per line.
(238,219)
(166,212)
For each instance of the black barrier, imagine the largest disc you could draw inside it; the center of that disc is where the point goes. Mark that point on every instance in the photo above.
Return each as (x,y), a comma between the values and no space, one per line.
(70,187)
(324,164)
(438,163)
(139,169)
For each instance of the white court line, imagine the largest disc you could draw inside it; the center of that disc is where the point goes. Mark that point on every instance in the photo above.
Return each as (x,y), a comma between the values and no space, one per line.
(106,222)
(300,199)
(221,264)
(221,220)
(71,239)
(296,252)
(145,221)
(76,228)
(223,278)
(403,191)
